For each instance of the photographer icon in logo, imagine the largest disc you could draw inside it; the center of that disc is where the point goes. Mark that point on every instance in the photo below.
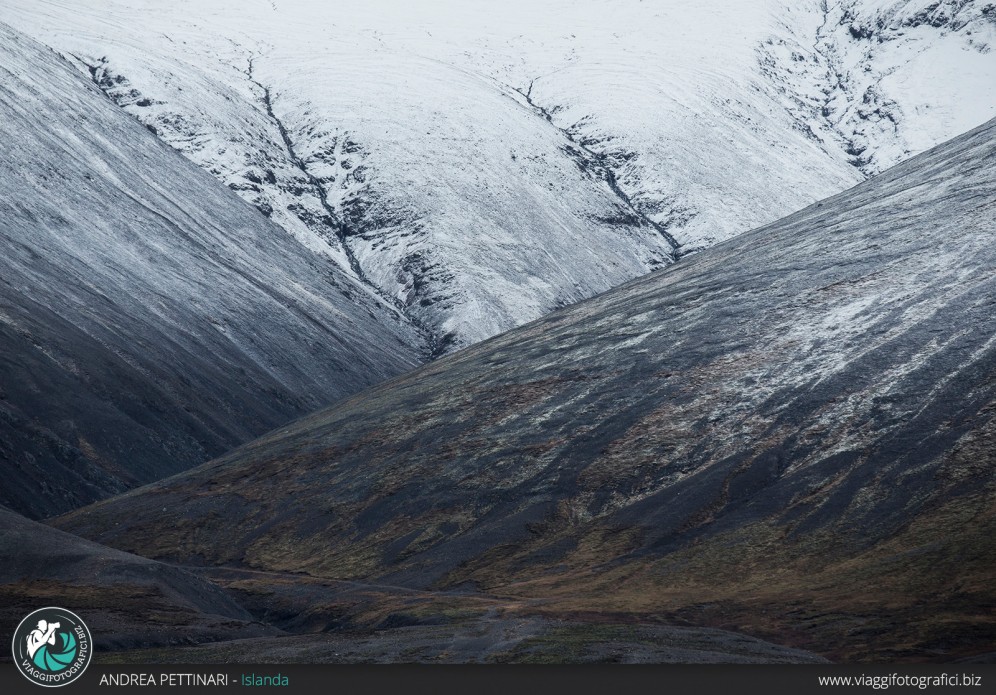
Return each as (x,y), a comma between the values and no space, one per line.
(52,647)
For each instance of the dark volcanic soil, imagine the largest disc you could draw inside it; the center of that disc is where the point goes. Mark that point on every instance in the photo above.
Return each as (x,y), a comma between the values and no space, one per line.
(491,640)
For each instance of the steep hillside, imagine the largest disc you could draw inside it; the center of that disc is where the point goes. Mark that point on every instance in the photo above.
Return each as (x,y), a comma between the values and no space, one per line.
(790,434)
(481,168)
(149,318)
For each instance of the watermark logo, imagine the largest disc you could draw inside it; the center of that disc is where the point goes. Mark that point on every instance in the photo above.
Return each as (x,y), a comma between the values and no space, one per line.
(52,647)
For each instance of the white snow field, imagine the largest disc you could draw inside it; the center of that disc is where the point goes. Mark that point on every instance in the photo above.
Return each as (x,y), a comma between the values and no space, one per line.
(479,164)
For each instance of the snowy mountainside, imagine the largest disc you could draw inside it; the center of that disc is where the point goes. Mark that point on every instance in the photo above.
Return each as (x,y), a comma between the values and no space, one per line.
(885,80)
(149,318)
(478,168)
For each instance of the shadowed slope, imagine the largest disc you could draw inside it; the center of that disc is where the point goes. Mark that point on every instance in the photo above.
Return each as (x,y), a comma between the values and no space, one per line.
(793,425)
(149,318)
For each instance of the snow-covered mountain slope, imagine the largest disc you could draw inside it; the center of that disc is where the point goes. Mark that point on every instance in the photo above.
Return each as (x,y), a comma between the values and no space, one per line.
(481,167)
(886,79)
(149,318)
(794,424)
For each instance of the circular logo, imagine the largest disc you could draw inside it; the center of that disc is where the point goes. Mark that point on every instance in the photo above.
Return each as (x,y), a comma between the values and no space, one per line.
(52,647)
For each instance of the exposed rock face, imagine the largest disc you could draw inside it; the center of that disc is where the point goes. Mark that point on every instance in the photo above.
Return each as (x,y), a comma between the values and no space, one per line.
(149,318)
(792,425)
